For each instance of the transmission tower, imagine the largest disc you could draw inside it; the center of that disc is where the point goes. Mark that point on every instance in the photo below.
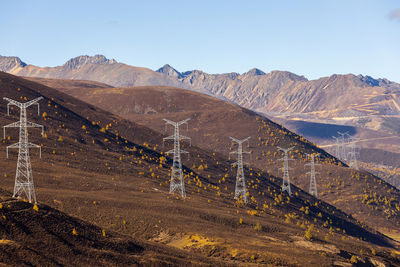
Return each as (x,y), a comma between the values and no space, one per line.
(343,141)
(313,183)
(23,176)
(353,154)
(177,182)
(240,188)
(285,169)
(337,147)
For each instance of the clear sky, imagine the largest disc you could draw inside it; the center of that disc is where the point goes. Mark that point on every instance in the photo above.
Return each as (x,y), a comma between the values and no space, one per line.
(313,38)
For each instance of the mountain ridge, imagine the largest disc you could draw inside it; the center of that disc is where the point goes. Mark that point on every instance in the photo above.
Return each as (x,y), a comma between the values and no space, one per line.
(101,59)
(358,100)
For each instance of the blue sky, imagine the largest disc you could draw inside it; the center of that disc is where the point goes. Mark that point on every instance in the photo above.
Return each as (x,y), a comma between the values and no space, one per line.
(309,37)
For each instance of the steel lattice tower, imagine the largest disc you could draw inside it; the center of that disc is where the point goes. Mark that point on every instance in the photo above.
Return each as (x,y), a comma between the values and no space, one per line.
(313,183)
(177,182)
(343,153)
(23,175)
(285,169)
(337,147)
(240,188)
(353,153)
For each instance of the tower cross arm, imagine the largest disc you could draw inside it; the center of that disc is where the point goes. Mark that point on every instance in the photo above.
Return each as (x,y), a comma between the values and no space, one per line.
(32,124)
(170,122)
(14,124)
(32,102)
(312,172)
(285,150)
(239,141)
(170,152)
(171,137)
(184,137)
(13,102)
(16,145)
(31,145)
(182,122)
(282,159)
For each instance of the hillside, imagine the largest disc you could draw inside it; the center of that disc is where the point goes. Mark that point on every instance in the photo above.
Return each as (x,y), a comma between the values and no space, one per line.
(42,236)
(121,183)
(378,151)
(213,121)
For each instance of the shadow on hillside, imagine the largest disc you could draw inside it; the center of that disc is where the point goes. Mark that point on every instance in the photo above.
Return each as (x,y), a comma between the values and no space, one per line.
(321,130)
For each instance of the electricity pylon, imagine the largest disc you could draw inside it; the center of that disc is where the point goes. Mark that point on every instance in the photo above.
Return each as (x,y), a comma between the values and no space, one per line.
(337,147)
(23,175)
(343,154)
(177,182)
(240,188)
(313,183)
(285,169)
(353,153)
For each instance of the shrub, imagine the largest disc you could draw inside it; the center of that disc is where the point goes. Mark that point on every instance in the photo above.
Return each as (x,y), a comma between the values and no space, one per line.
(35,208)
(258,226)
(74,232)
(353,259)
(308,234)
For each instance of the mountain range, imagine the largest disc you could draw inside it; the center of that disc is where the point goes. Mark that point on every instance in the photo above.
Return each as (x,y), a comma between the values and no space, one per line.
(360,100)
(371,106)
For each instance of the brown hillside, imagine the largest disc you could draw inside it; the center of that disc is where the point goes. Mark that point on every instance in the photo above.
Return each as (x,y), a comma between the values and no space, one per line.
(213,121)
(43,236)
(121,183)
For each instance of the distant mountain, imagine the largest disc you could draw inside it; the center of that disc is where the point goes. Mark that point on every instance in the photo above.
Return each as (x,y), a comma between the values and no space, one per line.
(93,68)
(344,99)
(170,71)
(9,64)
(77,62)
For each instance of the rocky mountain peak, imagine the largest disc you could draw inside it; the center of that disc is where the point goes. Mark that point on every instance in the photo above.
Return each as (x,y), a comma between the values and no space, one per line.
(8,64)
(77,62)
(170,71)
(254,72)
(368,80)
(287,75)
